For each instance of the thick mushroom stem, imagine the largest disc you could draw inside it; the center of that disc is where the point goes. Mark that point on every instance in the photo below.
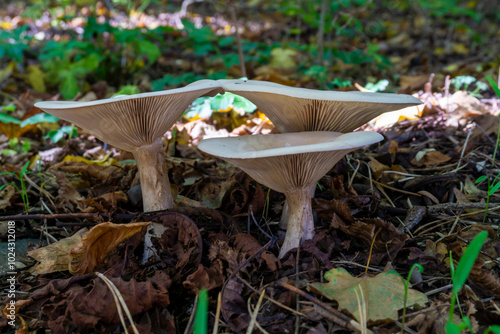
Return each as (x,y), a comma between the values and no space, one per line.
(153,172)
(300,225)
(284,212)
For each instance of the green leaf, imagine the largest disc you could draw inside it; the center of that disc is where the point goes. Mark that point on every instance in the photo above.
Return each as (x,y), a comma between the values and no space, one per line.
(494,85)
(494,189)
(242,104)
(467,261)
(4,118)
(494,329)
(222,102)
(56,135)
(386,289)
(150,49)
(40,118)
(481,178)
(69,86)
(8,151)
(452,328)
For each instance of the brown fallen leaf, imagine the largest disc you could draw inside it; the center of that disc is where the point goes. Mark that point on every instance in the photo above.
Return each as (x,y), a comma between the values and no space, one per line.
(85,303)
(56,257)
(98,242)
(430,157)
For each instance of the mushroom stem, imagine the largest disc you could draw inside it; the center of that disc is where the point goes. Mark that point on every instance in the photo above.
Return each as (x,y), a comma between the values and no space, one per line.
(300,219)
(284,213)
(153,172)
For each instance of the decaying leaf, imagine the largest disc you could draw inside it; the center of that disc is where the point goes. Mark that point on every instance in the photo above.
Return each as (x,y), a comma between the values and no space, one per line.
(98,242)
(105,161)
(430,157)
(5,195)
(386,289)
(85,303)
(56,257)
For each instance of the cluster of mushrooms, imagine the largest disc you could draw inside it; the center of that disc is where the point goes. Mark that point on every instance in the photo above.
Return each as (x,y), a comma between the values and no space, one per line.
(316,132)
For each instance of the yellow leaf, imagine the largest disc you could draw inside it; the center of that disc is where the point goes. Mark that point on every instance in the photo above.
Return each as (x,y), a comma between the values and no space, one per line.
(105,161)
(283,58)
(35,78)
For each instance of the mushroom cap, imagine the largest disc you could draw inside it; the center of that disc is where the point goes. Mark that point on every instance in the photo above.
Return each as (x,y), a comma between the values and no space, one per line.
(293,109)
(131,121)
(288,161)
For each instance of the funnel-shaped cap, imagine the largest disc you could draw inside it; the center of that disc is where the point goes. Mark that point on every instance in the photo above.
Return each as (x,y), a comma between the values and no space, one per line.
(293,109)
(288,161)
(131,121)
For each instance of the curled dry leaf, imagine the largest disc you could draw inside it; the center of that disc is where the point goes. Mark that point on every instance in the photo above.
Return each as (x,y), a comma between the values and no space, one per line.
(98,242)
(56,257)
(205,278)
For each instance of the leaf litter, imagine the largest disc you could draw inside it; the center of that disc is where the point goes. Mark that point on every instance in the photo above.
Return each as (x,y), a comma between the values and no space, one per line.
(413,196)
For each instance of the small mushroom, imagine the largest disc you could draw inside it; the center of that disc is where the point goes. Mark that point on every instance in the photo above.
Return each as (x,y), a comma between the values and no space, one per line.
(293,109)
(136,123)
(290,163)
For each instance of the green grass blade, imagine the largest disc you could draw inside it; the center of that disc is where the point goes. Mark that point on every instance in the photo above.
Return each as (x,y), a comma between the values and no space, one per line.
(201,317)
(467,261)
(494,85)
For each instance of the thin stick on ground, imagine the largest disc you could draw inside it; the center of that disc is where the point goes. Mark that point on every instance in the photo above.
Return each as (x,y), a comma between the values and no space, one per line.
(335,315)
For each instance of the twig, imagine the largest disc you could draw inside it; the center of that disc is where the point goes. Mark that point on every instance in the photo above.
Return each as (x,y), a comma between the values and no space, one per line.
(465,146)
(81,215)
(238,39)
(253,320)
(336,316)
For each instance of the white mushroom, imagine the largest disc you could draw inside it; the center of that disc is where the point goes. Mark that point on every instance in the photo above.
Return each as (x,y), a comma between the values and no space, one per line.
(293,109)
(290,163)
(136,123)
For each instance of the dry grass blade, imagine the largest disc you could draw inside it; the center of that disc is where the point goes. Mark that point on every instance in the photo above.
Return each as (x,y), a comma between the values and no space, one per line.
(120,303)
(217,314)
(253,320)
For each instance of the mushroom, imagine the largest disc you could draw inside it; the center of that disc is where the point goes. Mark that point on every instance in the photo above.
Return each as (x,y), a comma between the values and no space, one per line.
(136,123)
(289,163)
(293,109)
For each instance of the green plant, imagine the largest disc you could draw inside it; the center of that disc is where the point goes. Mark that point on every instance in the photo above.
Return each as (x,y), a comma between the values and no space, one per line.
(17,146)
(459,276)
(67,63)
(493,186)
(464,81)
(23,190)
(407,285)
(172,80)
(13,43)
(201,316)
(204,106)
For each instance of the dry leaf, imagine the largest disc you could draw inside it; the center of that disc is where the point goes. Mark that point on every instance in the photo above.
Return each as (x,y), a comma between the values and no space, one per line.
(98,242)
(56,257)
(384,289)
(430,157)
(5,195)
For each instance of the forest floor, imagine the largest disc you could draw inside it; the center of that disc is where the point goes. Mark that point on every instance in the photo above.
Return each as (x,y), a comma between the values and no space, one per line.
(418,197)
